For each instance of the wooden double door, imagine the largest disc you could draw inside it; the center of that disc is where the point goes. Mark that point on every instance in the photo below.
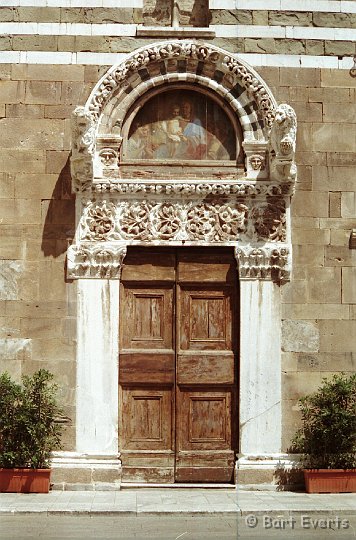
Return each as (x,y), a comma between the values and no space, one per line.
(177,365)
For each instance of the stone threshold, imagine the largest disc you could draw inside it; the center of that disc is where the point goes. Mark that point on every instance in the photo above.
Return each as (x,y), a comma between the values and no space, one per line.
(139,485)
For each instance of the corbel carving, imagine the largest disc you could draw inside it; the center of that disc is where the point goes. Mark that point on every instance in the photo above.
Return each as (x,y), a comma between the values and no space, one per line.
(256,161)
(100,261)
(266,263)
(107,155)
(83,141)
(282,144)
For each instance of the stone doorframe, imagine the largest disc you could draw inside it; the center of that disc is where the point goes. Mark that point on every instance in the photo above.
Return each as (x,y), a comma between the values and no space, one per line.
(249,213)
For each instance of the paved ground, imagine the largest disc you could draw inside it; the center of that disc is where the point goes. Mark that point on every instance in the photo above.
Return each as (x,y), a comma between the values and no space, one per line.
(172,501)
(148,527)
(174,514)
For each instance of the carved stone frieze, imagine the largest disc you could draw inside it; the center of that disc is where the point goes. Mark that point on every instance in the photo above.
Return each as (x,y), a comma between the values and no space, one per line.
(94,260)
(266,263)
(201,220)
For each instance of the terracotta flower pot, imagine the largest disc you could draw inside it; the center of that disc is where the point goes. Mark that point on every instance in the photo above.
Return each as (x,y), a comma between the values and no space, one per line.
(330,480)
(24,480)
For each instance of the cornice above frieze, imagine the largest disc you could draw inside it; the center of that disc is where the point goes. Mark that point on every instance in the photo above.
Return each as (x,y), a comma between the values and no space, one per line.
(194,189)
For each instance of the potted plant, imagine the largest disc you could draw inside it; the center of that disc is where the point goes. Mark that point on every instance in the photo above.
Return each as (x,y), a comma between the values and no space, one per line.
(327,438)
(29,431)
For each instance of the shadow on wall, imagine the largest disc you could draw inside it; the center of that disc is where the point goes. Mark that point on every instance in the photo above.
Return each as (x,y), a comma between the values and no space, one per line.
(59,224)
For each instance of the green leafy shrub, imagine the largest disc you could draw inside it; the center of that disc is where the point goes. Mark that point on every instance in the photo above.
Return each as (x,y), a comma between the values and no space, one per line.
(29,428)
(327,438)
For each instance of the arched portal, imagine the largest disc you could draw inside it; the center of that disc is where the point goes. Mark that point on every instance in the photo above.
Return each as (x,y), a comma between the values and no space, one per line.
(180,193)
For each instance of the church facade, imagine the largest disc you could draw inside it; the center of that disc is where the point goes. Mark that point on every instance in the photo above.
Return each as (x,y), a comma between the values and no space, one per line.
(178,228)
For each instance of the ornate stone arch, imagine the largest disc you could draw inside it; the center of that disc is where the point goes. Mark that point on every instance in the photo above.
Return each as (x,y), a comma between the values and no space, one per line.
(247,209)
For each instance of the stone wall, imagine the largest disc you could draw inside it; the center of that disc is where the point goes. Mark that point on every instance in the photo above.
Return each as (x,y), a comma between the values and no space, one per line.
(38,306)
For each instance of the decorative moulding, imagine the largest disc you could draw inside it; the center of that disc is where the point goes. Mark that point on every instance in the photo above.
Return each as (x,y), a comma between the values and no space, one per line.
(248,210)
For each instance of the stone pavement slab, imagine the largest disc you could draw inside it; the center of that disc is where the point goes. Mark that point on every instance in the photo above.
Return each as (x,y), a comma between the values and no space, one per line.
(148,501)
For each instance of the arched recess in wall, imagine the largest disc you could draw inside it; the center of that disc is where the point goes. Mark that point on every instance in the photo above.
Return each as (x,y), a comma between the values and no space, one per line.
(120,206)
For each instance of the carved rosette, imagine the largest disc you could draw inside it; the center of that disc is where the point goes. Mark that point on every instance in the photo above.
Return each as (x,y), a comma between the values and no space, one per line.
(100,261)
(265,263)
(99,220)
(269,221)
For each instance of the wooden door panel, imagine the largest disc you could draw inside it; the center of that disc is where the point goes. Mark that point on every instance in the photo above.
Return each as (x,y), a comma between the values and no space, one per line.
(204,420)
(150,414)
(147,317)
(204,368)
(143,368)
(204,318)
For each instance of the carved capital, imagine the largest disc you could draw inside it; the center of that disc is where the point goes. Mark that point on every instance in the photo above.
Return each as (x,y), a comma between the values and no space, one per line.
(256,161)
(266,263)
(107,155)
(96,260)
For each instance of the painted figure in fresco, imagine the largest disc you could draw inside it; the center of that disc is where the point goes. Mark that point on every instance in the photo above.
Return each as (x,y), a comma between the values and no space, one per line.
(139,145)
(167,135)
(193,145)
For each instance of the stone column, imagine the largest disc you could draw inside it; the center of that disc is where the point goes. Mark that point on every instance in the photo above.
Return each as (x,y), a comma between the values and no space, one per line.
(97,367)
(260,368)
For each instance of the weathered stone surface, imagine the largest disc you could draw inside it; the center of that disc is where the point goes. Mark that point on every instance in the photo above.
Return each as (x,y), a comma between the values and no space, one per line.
(334,20)
(44,93)
(296,385)
(311,236)
(7,185)
(296,291)
(300,77)
(327,362)
(289,18)
(337,78)
(335,205)
(300,336)
(324,285)
(314,47)
(28,134)
(38,14)
(349,285)
(34,43)
(339,48)
(12,161)
(309,255)
(10,272)
(339,256)
(337,112)
(5,43)
(331,95)
(337,336)
(230,16)
(334,179)
(25,111)
(12,91)
(315,311)
(323,137)
(348,204)
(305,203)
(260,18)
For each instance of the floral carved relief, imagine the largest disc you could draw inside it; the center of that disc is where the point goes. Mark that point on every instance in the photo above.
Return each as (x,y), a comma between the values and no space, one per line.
(269,220)
(99,220)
